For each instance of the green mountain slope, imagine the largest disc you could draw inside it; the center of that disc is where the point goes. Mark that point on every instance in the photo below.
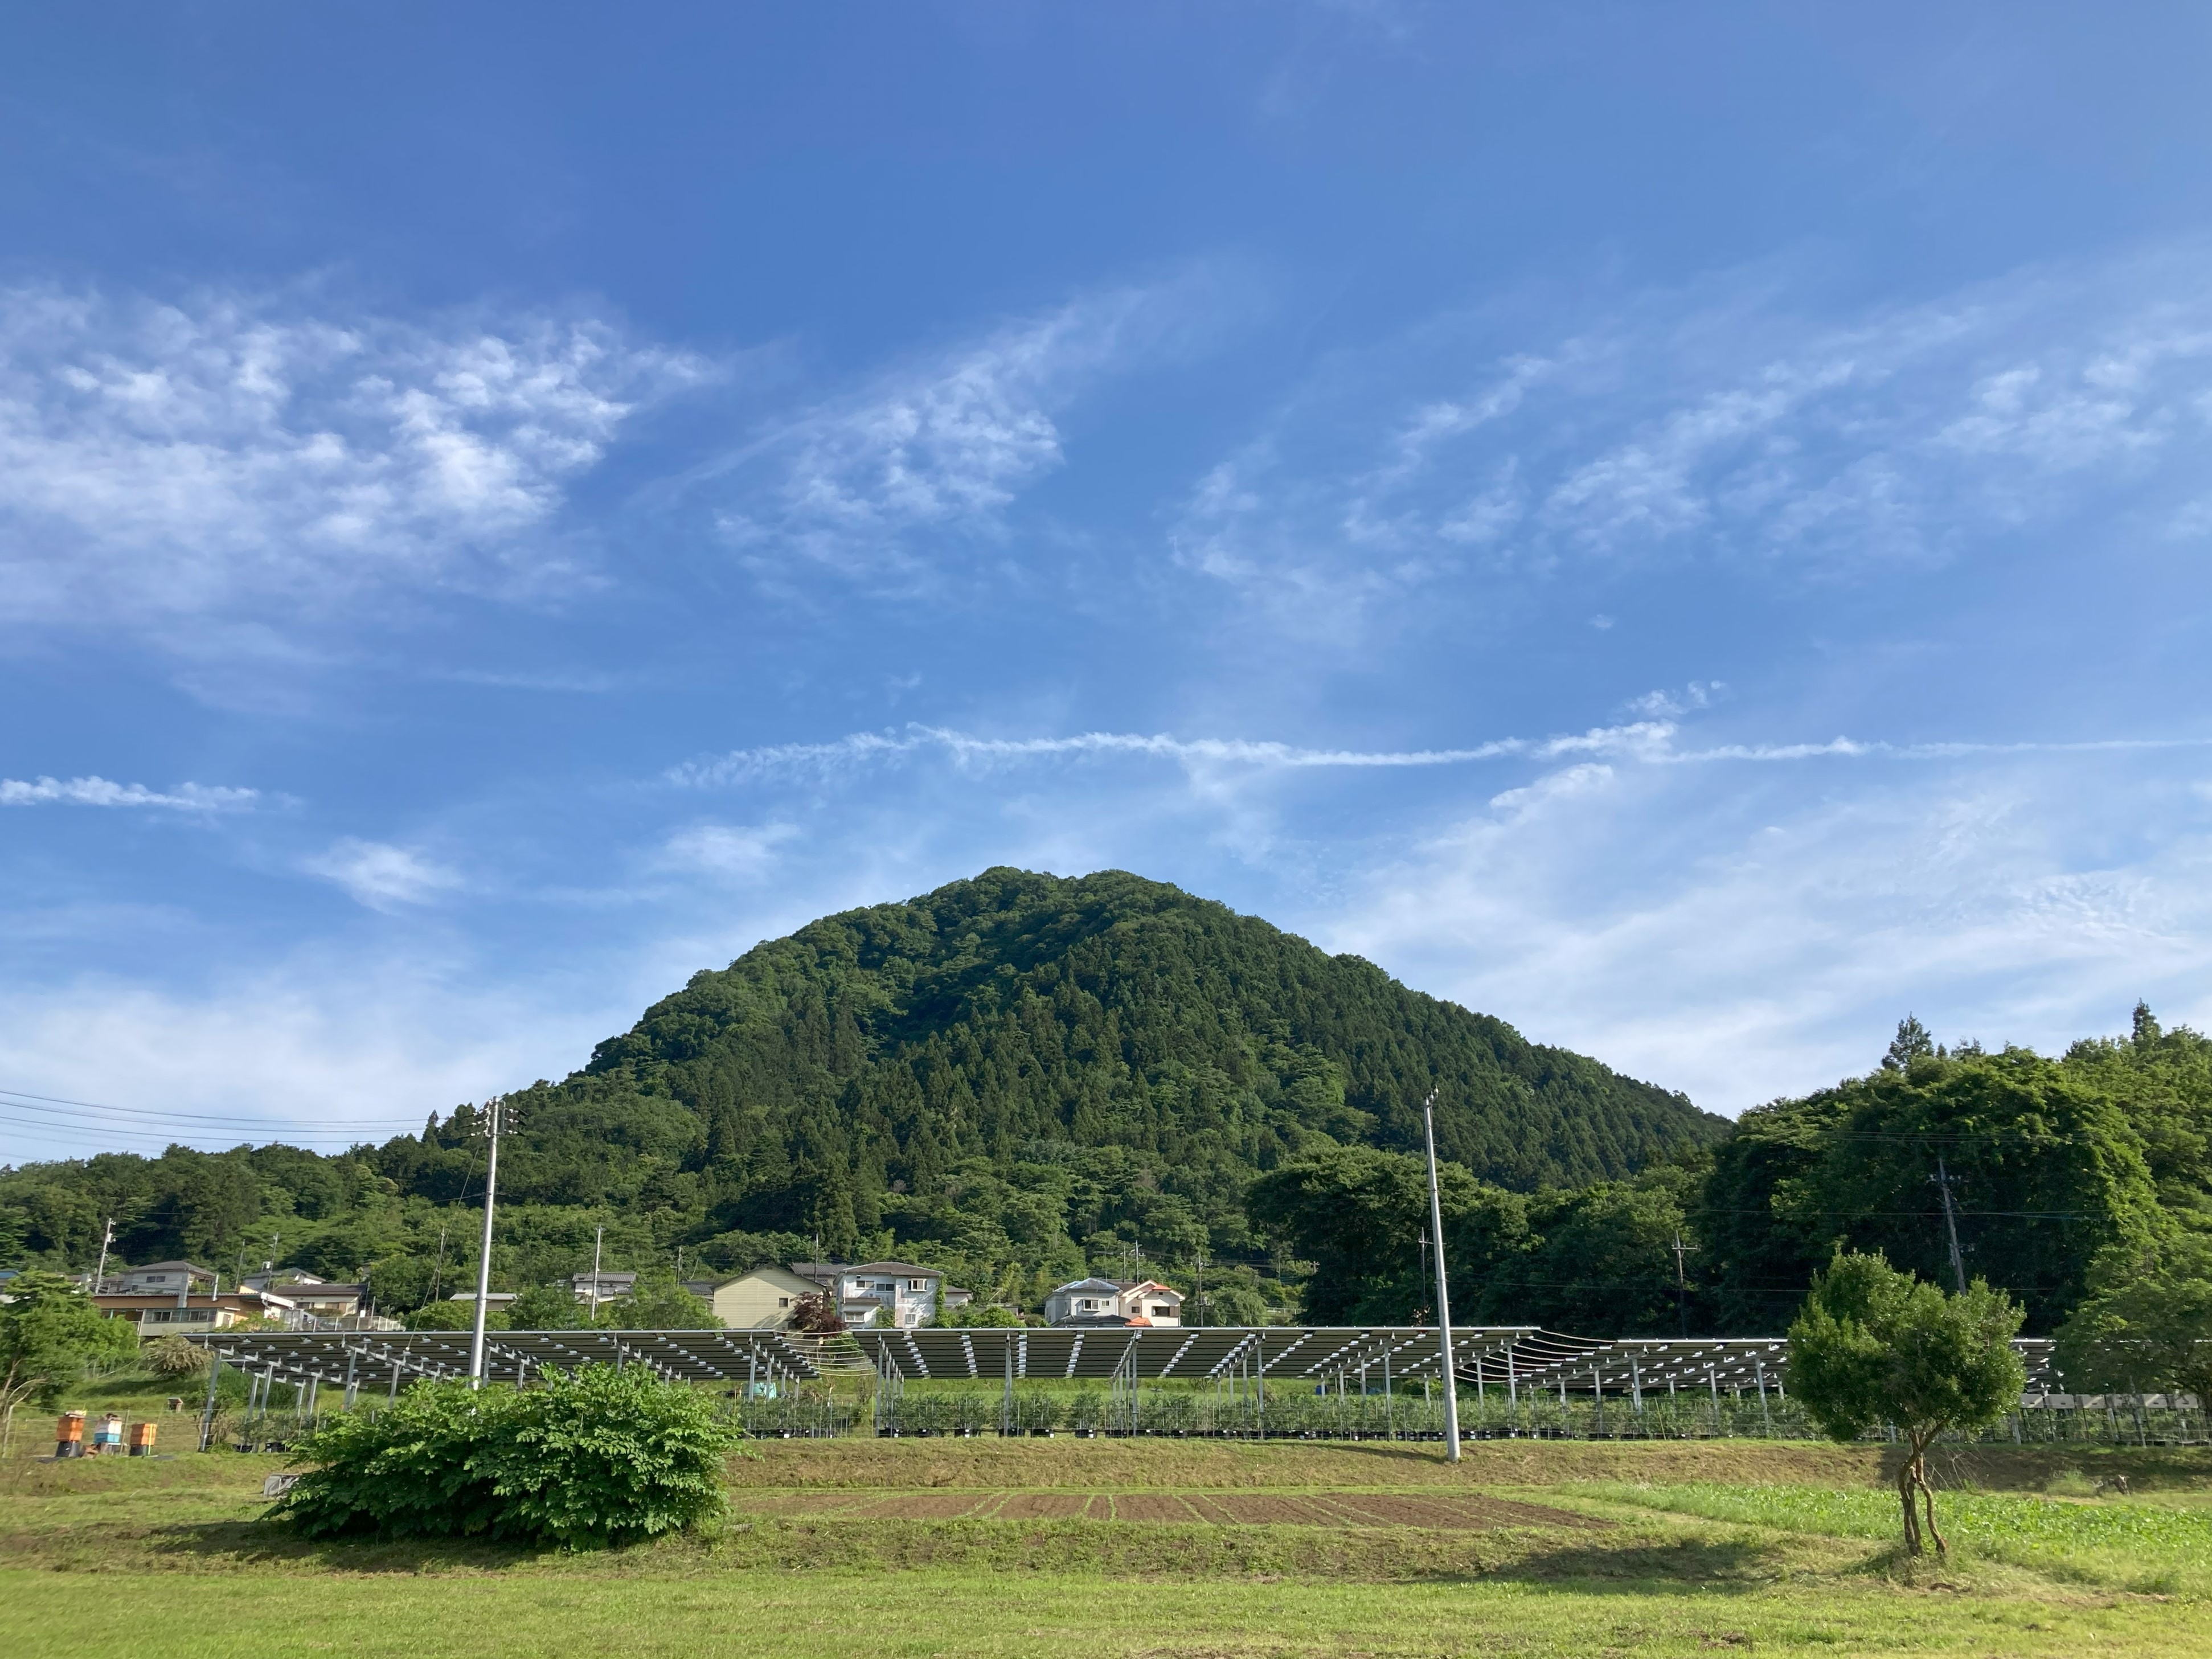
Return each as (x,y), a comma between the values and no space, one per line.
(996,1017)
(1019,1078)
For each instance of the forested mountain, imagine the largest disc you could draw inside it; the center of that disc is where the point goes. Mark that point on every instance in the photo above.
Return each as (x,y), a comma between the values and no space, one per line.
(1019,1077)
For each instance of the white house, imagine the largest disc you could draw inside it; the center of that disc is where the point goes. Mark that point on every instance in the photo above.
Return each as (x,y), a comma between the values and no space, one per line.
(156,1279)
(316,1296)
(906,1292)
(1138,1301)
(612,1286)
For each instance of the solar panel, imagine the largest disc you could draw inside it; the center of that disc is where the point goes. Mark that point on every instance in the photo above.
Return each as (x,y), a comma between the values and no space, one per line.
(1513,1356)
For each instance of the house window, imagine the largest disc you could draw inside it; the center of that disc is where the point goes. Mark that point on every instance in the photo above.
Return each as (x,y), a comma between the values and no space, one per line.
(1161,1311)
(783,1302)
(917,1283)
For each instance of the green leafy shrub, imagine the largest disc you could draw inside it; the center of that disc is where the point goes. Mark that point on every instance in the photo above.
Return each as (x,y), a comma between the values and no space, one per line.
(173,1356)
(590,1457)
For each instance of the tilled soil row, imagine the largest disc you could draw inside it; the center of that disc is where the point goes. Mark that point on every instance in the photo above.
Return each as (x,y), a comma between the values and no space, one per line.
(1461,1513)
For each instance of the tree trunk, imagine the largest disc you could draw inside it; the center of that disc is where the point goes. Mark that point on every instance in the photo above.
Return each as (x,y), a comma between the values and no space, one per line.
(1917,1469)
(1905,1498)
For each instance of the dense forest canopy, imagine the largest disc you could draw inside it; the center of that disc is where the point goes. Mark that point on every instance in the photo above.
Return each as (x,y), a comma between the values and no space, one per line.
(2065,1176)
(1020,1078)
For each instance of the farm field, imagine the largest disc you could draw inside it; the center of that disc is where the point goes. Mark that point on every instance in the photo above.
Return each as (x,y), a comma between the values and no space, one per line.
(1161,1548)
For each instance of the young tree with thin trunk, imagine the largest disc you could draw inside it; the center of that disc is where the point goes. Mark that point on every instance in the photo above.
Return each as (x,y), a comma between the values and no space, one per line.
(1875,1347)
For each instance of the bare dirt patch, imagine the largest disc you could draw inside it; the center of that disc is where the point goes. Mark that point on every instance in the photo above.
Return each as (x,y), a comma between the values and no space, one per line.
(1250,1508)
(1153,1506)
(1459,1512)
(925,1506)
(1043,1506)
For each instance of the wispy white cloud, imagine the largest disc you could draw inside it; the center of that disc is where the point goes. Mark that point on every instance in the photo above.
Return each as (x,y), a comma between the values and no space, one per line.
(264,456)
(99,791)
(382,876)
(321,1048)
(1742,944)
(1651,741)
(882,483)
(1706,427)
(966,749)
(727,852)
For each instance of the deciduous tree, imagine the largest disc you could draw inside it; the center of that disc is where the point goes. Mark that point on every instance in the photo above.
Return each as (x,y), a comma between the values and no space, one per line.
(1875,1347)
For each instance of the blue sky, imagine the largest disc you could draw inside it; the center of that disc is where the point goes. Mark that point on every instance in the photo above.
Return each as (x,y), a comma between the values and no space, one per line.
(1685,528)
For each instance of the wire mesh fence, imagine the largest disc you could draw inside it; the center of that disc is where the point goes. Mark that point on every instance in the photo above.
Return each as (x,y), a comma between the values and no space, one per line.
(1306,1415)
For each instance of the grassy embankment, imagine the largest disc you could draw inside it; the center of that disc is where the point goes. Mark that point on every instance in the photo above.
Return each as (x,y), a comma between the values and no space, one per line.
(1160,1548)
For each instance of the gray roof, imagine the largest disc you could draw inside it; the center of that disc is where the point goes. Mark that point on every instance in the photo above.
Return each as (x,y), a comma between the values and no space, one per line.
(906,1267)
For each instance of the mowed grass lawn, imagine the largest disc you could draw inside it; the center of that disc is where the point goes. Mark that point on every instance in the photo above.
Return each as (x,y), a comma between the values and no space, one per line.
(1155,1547)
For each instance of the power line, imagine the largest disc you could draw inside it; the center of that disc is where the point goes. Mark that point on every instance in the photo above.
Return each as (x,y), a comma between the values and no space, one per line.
(20,1098)
(108,1134)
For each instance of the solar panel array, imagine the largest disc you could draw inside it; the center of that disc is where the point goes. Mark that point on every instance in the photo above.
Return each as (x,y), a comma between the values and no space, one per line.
(1512,1356)
(1154,1352)
(382,1359)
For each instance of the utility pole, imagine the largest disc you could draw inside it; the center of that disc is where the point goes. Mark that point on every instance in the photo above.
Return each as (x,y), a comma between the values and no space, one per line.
(599,1238)
(483,1256)
(99,1273)
(1200,1299)
(1444,1289)
(1681,1283)
(1942,1179)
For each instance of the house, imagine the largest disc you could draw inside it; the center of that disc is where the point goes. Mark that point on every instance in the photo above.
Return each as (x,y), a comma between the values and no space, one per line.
(163,1313)
(612,1286)
(761,1300)
(317,1296)
(908,1293)
(156,1279)
(1133,1301)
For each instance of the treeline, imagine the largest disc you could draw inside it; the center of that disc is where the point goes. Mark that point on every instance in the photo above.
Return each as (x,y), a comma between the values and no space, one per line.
(2070,1180)
(1019,1078)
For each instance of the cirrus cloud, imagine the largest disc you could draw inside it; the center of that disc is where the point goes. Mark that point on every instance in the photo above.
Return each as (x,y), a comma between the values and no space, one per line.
(249,457)
(100,792)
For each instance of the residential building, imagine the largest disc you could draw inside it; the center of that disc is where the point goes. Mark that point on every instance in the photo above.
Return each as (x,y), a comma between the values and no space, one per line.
(317,1296)
(761,1300)
(906,1292)
(155,1279)
(167,1314)
(612,1286)
(1132,1301)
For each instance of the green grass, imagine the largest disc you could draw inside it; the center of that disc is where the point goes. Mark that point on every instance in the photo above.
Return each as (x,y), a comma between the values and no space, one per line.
(1789,1554)
(2151,1547)
(971,1615)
